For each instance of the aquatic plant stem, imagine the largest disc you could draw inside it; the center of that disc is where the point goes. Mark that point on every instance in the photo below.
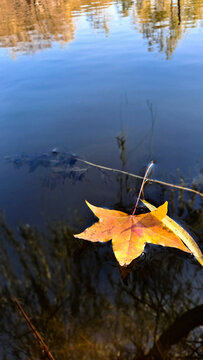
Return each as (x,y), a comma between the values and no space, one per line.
(140,177)
(34,331)
(141,188)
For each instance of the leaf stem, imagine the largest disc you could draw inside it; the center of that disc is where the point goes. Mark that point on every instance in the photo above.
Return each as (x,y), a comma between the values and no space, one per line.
(141,188)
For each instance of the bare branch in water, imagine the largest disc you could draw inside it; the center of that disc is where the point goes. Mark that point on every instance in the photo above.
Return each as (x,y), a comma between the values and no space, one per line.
(141,177)
(34,331)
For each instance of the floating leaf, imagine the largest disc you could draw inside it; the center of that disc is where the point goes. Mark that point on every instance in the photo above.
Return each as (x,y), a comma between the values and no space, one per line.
(180,232)
(130,233)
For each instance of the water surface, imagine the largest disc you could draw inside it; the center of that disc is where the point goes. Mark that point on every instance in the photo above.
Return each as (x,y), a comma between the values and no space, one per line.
(118,83)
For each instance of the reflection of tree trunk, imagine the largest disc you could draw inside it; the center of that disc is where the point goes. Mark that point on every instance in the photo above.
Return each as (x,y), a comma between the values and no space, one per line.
(179,329)
(179,13)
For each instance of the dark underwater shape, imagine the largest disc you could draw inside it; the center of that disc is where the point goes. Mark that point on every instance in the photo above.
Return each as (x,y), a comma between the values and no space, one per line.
(61,166)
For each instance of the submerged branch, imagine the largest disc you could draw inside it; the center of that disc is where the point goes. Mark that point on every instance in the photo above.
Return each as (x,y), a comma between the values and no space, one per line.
(34,331)
(174,333)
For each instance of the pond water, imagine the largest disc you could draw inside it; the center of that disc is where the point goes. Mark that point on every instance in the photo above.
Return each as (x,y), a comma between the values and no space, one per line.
(118,84)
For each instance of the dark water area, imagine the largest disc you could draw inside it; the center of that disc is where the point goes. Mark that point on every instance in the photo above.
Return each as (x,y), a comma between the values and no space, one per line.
(118,84)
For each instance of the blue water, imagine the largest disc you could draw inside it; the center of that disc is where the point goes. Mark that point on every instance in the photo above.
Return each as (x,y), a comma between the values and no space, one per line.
(116,83)
(81,95)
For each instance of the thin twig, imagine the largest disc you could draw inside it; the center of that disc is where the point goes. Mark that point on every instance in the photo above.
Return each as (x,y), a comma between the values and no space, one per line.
(140,177)
(34,331)
(88,342)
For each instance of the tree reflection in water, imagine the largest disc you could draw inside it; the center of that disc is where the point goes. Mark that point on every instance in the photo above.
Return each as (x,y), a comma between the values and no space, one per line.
(30,26)
(75,296)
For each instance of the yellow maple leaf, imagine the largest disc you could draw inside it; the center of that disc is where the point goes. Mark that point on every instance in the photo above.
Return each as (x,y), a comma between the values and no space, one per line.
(130,233)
